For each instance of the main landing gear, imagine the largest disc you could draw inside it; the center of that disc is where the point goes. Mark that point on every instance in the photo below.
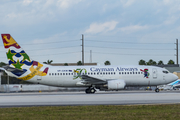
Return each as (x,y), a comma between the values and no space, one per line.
(157,90)
(90,90)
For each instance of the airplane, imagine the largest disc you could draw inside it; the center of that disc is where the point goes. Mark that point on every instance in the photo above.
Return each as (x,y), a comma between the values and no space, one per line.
(171,86)
(109,77)
(175,84)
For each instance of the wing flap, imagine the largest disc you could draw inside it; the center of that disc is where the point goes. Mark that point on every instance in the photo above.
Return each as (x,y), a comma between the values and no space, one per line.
(92,80)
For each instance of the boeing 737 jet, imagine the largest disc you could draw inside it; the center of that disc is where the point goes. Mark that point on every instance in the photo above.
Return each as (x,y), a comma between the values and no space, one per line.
(118,77)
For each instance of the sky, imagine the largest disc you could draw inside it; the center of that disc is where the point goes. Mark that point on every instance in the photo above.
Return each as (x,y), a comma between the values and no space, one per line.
(120,31)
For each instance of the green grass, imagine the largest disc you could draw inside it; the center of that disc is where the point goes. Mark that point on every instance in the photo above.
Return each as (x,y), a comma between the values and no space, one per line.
(102,112)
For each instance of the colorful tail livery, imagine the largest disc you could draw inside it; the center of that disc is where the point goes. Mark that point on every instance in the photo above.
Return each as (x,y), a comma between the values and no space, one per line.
(23,67)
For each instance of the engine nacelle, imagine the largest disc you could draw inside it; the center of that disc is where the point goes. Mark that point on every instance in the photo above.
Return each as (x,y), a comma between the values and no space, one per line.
(116,84)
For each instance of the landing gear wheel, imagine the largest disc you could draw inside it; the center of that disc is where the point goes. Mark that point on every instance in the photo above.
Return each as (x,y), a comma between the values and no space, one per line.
(90,91)
(157,90)
(87,91)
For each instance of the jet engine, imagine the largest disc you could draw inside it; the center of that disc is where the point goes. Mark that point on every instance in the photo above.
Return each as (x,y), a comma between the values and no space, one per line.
(116,84)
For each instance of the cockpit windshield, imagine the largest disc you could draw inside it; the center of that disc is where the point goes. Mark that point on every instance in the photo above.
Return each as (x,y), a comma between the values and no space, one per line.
(164,71)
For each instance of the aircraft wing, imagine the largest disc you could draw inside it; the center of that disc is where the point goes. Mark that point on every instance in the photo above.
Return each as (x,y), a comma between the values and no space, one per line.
(92,80)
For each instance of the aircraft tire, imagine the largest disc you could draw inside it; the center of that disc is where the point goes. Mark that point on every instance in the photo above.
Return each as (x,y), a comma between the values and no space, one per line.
(87,91)
(90,91)
(157,90)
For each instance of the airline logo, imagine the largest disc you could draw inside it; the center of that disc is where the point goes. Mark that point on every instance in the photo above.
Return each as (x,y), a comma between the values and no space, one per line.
(112,69)
(21,59)
(35,71)
(18,63)
(9,41)
(146,73)
(78,73)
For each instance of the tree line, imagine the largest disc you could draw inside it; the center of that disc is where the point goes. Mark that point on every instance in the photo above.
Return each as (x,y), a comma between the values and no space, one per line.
(78,63)
(152,62)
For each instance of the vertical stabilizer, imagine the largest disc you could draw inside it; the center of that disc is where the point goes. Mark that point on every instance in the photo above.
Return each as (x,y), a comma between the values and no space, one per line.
(18,59)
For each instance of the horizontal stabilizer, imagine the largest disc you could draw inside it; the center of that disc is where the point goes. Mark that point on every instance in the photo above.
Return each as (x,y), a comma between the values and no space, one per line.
(11,69)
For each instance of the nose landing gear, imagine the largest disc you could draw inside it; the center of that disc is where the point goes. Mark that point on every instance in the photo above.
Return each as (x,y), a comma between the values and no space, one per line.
(157,90)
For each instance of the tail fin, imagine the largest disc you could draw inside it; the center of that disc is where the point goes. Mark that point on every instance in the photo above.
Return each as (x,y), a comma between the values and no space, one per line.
(16,56)
(19,60)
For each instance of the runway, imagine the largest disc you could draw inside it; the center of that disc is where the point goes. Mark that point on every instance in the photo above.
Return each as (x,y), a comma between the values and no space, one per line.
(80,98)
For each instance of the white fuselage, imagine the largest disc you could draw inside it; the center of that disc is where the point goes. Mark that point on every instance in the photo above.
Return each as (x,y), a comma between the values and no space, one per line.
(132,75)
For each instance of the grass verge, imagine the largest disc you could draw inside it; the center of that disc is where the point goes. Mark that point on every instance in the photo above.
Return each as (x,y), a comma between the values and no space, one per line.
(101,112)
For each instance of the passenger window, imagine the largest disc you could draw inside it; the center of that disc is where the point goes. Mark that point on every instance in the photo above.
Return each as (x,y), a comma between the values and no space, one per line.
(52,73)
(71,73)
(124,72)
(88,73)
(94,73)
(63,73)
(49,73)
(130,72)
(91,73)
(119,72)
(127,72)
(104,73)
(97,73)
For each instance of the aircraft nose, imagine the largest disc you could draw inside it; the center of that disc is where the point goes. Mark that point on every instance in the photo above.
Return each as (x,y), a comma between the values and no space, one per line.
(174,77)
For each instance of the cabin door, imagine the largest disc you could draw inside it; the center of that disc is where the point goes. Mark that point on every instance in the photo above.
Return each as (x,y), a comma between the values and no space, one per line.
(154,73)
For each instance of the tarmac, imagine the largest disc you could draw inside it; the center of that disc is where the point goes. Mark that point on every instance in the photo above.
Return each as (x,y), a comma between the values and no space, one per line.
(80,98)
